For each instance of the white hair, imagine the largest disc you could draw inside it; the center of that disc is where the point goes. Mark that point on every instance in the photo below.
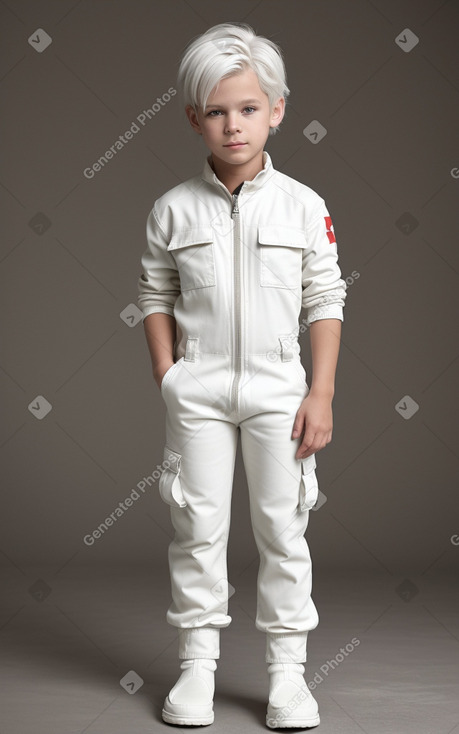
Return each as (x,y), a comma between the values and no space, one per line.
(224,50)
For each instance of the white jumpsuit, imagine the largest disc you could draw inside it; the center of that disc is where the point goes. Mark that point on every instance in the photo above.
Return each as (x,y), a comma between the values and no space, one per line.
(235,271)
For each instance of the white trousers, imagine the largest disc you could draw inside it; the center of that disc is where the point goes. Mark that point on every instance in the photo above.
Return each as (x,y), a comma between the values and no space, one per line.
(205,409)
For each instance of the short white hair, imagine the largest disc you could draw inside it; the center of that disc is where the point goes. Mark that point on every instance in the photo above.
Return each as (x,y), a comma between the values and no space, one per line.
(224,50)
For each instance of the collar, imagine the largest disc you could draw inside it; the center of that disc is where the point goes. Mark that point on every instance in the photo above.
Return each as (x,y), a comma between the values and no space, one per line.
(249,186)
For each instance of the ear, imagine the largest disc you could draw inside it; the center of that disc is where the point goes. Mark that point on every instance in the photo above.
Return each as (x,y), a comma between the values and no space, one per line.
(193,118)
(277,113)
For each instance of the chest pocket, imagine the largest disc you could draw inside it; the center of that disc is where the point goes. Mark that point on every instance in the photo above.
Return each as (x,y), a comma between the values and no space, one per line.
(193,251)
(281,256)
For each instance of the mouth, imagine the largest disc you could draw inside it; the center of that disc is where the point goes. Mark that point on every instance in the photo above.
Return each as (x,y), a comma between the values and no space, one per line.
(234,145)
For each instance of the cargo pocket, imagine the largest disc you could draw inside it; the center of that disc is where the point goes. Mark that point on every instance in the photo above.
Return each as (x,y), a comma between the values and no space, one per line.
(281,256)
(309,488)
(193,251)
(170,487)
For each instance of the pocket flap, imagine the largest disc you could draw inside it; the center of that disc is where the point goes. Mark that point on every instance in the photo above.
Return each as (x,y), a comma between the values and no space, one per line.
(170,487)
(282,236)
(309,488)
(190,236)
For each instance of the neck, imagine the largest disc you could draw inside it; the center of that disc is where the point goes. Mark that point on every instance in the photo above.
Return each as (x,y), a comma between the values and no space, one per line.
(232,175)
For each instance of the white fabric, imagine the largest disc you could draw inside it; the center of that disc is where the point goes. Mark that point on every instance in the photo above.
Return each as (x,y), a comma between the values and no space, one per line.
(201,439)
(199,642)
(287,261)
(286,648)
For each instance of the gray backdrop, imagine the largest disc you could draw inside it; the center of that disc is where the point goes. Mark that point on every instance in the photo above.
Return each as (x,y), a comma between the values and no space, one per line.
(382,78)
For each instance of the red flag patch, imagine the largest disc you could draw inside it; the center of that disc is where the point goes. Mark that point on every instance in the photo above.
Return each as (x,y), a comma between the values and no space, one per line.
(330,230)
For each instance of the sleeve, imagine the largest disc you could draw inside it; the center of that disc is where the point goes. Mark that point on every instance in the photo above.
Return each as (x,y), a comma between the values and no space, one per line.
(324,291)
(159,283)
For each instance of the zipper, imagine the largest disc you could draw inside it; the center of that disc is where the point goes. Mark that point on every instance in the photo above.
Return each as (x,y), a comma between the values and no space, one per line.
(237,356)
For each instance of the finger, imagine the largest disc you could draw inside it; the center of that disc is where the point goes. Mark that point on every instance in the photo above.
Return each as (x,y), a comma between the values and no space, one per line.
(298,425)
(307,444)
(306,454)
(312,443)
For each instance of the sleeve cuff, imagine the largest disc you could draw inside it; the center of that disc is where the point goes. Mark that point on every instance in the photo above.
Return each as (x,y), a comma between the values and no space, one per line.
(330,311)
(157,309)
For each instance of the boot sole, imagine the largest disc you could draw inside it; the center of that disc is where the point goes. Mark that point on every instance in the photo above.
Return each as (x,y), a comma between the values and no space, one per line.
(275,722)
(204,718)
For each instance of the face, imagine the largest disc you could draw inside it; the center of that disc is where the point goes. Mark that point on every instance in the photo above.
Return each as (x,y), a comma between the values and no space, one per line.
(238,112)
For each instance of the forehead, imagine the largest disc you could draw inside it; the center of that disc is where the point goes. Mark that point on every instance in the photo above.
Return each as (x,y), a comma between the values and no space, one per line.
(240,88)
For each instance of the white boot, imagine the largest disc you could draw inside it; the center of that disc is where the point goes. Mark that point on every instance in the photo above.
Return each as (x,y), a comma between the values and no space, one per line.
(291,703)
(190,701)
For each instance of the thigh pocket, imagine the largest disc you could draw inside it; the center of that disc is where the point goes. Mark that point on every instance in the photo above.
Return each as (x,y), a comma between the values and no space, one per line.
(170,488)
(281,256)
(309,488)
(193,251)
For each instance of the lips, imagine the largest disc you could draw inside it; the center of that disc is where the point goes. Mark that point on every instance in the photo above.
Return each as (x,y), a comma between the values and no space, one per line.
(234,145)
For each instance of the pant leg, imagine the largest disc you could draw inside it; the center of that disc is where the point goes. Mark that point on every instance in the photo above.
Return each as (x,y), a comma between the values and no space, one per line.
(285,609)
(205,442)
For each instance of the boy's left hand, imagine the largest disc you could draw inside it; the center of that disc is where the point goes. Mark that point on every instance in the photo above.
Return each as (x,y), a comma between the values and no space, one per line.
(315,418)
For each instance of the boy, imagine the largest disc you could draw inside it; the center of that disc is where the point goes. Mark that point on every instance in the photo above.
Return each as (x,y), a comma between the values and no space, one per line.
(233,255)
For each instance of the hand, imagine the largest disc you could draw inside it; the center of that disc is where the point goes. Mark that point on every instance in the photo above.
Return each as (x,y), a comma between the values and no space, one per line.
(315,418)
(159,372)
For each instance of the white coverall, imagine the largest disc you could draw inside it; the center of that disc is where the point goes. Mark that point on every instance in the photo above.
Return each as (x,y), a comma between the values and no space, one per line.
(235,271)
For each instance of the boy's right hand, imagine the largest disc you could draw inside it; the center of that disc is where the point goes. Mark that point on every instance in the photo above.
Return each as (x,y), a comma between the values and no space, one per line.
(160,370)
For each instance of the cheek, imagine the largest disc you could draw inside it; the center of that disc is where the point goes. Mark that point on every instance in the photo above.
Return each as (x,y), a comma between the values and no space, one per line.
(210,136)
(258,123)
(211,129)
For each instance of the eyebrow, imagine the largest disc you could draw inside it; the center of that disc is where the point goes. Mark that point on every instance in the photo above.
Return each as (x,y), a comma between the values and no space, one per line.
(244,101)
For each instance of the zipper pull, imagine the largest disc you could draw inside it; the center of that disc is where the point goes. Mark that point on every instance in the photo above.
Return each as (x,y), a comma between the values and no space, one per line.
(235,209)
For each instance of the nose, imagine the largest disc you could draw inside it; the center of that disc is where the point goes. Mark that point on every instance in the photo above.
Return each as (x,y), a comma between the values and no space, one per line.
(232,123)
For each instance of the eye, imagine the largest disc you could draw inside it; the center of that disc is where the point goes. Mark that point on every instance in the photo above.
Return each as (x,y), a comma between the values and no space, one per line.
(211,113)
(250,108)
